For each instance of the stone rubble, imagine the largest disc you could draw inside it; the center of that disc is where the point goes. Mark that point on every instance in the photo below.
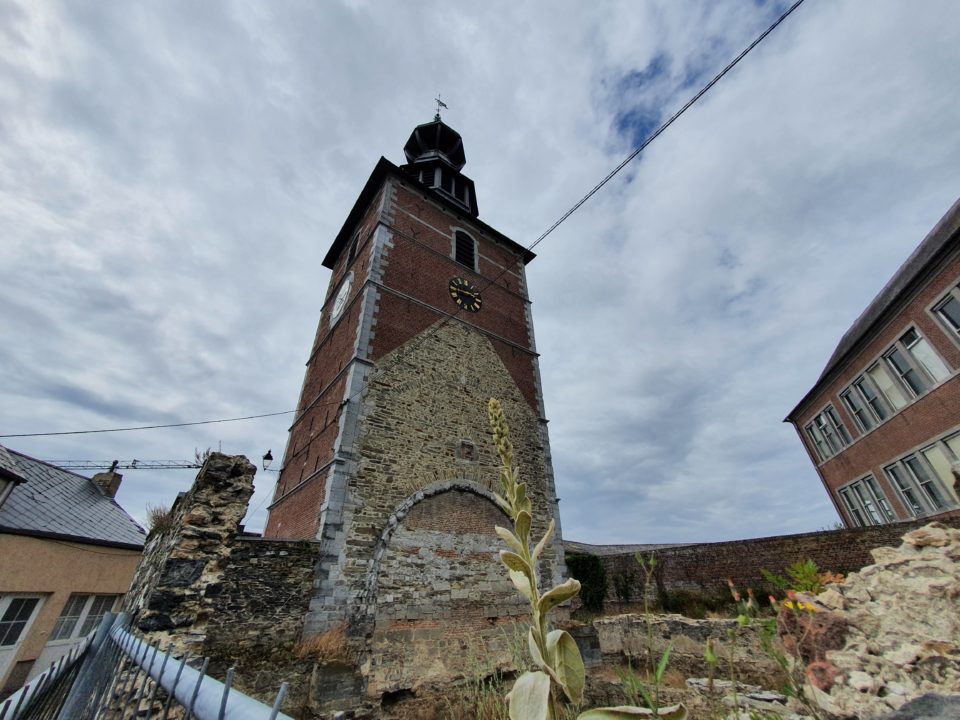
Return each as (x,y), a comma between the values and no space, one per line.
(902,628)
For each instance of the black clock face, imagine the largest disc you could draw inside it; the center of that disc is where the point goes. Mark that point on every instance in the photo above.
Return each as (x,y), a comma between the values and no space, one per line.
(465,295)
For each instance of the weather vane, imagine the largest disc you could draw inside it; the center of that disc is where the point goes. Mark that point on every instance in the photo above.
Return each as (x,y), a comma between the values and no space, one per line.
(440,104)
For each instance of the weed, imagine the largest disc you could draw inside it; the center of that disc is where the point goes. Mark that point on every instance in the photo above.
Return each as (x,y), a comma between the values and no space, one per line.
(329,646)
(159,518)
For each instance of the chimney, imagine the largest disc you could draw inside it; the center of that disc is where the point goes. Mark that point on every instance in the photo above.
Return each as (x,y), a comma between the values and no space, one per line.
(108,481)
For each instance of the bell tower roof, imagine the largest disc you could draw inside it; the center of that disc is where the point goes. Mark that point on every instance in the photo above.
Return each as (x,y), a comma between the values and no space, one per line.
(435,141)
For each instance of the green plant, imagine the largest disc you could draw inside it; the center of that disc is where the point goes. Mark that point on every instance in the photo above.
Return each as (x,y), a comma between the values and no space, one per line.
(637,691)
(588,570)
(534,695)
(791,665)
(802,576)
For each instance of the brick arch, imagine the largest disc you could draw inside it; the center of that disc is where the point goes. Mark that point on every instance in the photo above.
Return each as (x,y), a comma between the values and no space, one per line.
(401,512)
(435,588)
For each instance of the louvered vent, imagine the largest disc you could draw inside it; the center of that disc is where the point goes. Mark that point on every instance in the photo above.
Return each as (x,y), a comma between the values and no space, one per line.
(465,250)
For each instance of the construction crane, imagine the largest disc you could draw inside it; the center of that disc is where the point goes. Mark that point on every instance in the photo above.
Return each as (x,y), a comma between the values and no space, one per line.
(125,465)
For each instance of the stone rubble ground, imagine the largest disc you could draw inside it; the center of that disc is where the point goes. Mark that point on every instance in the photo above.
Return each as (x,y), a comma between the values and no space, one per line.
(903,628)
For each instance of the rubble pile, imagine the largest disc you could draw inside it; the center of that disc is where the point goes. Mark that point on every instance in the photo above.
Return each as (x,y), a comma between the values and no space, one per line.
(900,621)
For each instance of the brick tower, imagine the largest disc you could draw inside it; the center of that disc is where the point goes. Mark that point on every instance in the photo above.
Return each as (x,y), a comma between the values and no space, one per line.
(390,461)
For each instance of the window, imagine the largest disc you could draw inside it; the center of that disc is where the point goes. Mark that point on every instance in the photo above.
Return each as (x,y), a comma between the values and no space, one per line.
(81,615)
(17,614)
(828,435)
(866,503)
(465,250)
(858,408)
(948,310)
(915,363)
(885,384)
(921,477)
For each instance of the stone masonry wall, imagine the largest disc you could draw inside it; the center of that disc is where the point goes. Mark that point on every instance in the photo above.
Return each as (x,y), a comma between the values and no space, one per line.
(424,428)
(704,568)
(182,560)
(238,600)
(256,615)
(442,593)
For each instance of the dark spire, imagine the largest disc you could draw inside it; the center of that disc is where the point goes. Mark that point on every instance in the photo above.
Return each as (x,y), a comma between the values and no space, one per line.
(435,157)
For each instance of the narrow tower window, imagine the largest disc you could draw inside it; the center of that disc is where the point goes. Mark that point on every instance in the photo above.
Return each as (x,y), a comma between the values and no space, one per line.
(465,250)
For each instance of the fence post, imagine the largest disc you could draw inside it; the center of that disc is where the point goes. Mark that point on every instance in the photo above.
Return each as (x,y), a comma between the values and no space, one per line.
(95,668)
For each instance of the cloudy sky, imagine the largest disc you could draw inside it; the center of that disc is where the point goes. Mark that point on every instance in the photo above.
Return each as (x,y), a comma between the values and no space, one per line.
(172,174)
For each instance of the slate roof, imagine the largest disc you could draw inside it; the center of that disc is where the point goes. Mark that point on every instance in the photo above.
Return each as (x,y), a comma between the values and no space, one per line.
(56,503)
(938,243)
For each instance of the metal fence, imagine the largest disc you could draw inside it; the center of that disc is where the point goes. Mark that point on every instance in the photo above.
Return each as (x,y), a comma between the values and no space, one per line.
(116,675)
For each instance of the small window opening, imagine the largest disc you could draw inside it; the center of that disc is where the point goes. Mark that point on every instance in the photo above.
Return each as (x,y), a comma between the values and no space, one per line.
(465,250)
(467,451)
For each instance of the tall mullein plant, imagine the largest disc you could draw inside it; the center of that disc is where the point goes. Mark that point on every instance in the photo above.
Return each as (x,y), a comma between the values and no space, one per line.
(536,694)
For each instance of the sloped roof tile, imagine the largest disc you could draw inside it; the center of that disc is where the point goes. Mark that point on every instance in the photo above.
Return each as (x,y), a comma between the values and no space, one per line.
(58,503)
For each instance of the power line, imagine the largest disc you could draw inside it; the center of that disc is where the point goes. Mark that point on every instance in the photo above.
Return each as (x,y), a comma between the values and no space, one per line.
(148,427)
(576,206)
(703,91)
(407,349)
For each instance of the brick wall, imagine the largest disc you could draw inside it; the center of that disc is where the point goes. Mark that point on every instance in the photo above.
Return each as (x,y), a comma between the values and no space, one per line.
(442,594)
(704,568)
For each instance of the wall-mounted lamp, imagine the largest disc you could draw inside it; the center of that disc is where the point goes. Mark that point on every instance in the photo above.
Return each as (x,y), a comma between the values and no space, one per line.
(267,459)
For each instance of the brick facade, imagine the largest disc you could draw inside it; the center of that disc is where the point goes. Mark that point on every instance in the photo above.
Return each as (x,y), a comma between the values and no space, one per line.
(929,417)
(390,461)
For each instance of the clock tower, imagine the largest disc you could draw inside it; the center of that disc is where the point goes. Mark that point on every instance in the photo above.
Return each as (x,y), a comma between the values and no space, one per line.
(390,462)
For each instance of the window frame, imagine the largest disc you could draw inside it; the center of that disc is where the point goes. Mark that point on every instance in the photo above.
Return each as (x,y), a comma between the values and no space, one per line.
(915,364)
(828,419)
(953,292)
(6,599)
(80,620)
(859,496)
(907,470)
(475,267)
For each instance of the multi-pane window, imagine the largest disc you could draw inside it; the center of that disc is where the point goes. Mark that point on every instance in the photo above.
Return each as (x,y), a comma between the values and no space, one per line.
(83,612)
(465,250)
(827,433)
(924,479)
(887,386)
(908,369)
(858,407)
(101,605)
(866,402)
(948,310)
(916,363)
(865,503)
(15,618)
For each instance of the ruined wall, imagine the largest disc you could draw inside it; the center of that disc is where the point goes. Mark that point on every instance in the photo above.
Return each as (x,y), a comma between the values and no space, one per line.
(189,554)
(704,568)
(442,594)
(256,615)
(238,600)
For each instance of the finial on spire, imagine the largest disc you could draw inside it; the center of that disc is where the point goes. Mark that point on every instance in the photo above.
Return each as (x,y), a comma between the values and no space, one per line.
(440,104)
